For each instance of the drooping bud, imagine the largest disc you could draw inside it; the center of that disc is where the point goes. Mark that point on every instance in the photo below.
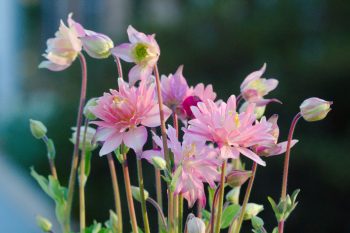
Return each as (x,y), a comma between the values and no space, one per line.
(37,128)
(233,195)
(97,45)
(44,224)
(195,225)
(188,103)
(237,178)
(315,109)
(136,193)
(90,145)
(87,113)
(159,162)
(252,210)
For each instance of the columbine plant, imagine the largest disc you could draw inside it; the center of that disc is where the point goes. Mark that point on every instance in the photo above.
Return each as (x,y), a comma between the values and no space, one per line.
(200,166)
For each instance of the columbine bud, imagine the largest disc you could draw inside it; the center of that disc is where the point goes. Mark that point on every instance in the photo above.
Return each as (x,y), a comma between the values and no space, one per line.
(237,178)
(251,210)
(136,193)
(90,145)
(258,110)
(188,103)
(315,109)
(43,223)
(37,128)
(233,195)
(87,113)
(97,45)
(195,225)
(159,162)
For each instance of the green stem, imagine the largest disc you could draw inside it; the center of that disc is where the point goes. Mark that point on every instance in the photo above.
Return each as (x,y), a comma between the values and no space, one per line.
(142,195)
(170,212)
(118,207)
(180,215)
(82,181)
(221,197)
(246,198)
(75,158)
(51,160)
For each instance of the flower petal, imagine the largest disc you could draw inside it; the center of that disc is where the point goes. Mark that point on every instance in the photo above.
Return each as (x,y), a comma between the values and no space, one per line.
(250,154)
(111,143)
(123,51)
(135,138)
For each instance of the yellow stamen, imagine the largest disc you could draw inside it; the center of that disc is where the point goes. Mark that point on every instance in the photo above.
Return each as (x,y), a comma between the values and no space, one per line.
(237,122)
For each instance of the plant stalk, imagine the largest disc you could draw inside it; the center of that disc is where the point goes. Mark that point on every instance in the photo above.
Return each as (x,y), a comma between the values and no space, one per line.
(159,210)
(51,160)
(221,197)
(142,195)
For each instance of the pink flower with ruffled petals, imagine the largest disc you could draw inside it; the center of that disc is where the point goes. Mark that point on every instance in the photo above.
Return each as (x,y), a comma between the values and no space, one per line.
(273,148)
(63,49)
(204,92)
(233,132)
(124,114)
(197,161)
(254,87)
(142,50)
(174,89)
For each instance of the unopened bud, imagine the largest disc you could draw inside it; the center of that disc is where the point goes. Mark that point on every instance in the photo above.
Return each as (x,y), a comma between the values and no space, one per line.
(90,145)
(188,103)
(43,223)
(252,210)
(136,193)
(159,162)
(237,178)
(258,110)
(233,195)
(37,128)
(97,45)
(87,112)
(195,225)
(315,109)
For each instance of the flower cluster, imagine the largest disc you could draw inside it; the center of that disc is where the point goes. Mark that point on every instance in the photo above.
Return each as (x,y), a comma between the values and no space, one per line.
(208,151)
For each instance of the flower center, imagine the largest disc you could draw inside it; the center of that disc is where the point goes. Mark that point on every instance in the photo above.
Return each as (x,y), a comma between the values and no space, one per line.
(140,52)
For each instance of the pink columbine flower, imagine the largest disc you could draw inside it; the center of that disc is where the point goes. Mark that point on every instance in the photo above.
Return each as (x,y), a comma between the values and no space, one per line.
(143,50)
(272,148)
(254,87)
(63,49)
(233,132)
(197,161)
(174,89)
(123,115)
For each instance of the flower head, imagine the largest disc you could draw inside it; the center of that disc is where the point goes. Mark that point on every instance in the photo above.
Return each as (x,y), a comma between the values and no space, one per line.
(315,109)
(254,87)
(143,50)
(233,132)
(174,89)
(64,47)
(195,225)
(123,114)
(197,162)
(97,45)
(89,138)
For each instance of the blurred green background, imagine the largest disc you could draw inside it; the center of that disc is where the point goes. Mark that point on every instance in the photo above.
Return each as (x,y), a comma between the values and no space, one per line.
(306,44)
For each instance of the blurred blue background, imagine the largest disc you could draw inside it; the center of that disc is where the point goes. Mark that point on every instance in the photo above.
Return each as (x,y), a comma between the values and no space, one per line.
(306,44)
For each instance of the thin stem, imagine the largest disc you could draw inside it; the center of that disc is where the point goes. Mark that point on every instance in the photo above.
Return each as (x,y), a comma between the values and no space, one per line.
(176,198)
(118,207)
(129,194)
(221,197)
(159,210)
(213,209)
(180,214)
(246,198)
(142,195)
(75,158)
(51,160)
(170,211)
(82,180)
(119,66)
(199,210)
(162,120)
(286,159)
(281,226)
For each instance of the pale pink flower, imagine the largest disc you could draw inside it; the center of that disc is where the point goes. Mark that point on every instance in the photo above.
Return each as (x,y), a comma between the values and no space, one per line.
(63,49)
(97,45)
(197,161)
(233,132)
(254,87)
(123,115)
(271,148)
(174,89)
(143,50)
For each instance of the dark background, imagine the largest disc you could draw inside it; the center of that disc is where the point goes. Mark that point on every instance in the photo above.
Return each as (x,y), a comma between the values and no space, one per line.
(306,44)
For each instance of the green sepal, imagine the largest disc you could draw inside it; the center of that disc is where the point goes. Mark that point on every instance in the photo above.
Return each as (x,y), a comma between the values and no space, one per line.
(175,177)
(51,152)
(285,207)
(229,214)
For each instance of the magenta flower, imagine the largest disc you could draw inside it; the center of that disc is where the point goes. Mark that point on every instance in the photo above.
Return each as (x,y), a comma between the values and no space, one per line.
(198,164)
(143,50)
(123,115)
(174,89)
(233,132)
(254,88)
(273,148)
(63,49)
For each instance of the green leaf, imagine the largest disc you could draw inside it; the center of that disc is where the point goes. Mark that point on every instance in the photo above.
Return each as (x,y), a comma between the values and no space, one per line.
(257,222)
(206,215)
(42,181)
(175,177)
(275,230)
(211,193)
(295,195)
(228,215)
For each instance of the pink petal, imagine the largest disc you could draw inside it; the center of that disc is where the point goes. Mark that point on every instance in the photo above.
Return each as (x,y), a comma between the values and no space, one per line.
(228,152)
(250,154)
(52,66)
(123,51)
(152,119)
(135,138)
(111,143)
(135,36)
